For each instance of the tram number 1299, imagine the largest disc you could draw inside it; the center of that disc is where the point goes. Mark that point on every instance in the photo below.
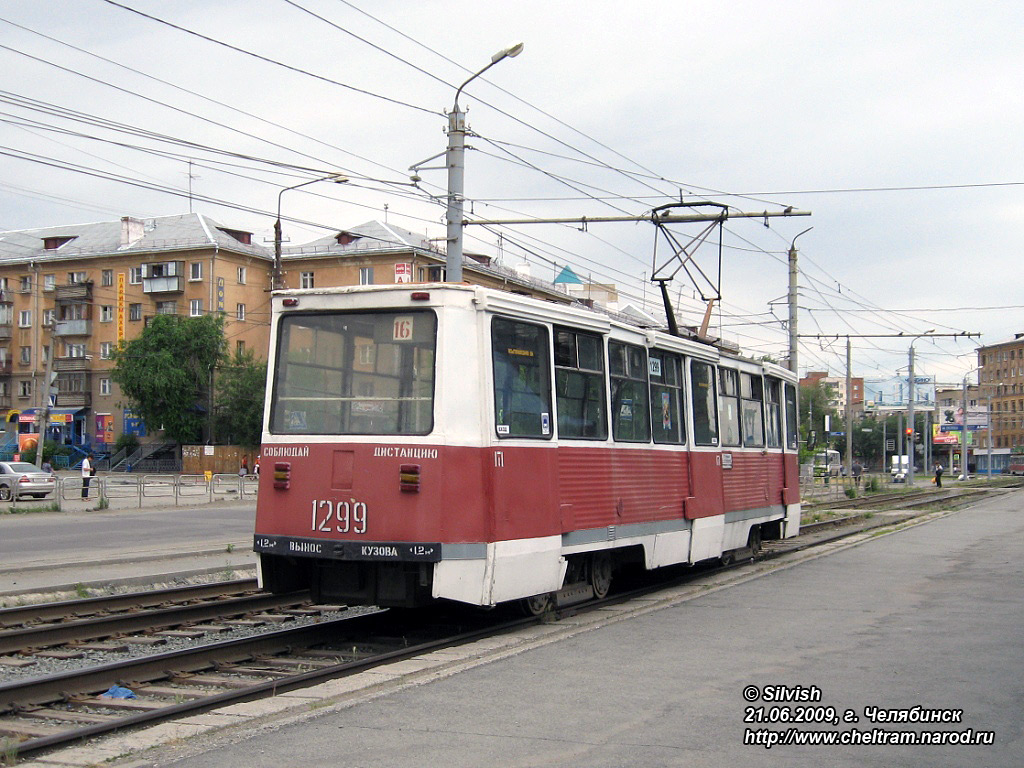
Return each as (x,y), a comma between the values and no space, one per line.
(339,516)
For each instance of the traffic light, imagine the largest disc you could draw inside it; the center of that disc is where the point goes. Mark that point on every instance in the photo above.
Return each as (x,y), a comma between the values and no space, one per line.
(909,431)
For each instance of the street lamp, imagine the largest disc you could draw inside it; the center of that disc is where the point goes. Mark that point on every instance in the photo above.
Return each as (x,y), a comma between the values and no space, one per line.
(910,409)
(455,158)
(277,283)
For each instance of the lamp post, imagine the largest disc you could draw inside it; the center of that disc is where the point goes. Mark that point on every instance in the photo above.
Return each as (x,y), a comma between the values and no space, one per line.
(455,158)
(277,283)
(963,428)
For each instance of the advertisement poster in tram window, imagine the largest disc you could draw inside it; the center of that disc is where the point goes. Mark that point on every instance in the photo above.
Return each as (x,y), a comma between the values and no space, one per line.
(105,428)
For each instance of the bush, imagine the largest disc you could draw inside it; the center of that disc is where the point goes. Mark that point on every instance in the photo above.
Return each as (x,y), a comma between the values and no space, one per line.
(130,443)
(872,485)
(851,493)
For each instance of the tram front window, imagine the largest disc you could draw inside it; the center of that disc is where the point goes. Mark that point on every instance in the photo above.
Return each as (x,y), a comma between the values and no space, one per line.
(355,374)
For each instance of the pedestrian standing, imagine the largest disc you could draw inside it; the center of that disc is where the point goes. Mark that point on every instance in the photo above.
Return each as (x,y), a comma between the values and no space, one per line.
(857,469)
(87,472)
(938,475)
(244,469)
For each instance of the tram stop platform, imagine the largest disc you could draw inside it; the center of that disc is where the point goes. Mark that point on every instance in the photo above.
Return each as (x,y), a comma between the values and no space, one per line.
(926,616)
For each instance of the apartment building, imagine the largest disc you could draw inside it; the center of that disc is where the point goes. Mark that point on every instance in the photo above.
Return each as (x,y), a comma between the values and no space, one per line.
(1001,379)
(69,294)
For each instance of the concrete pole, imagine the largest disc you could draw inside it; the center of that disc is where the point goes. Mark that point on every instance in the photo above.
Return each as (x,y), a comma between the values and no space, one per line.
(794,303)
(455,159)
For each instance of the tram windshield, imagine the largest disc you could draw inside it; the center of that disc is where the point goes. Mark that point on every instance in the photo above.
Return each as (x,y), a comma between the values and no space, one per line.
(366,373)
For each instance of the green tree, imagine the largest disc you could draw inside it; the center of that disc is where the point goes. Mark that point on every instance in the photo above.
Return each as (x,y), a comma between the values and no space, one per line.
(241,384)
(165,374)
(813,408)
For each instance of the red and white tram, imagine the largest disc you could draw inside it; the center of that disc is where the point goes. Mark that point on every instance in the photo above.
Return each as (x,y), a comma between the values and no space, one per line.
(457,442)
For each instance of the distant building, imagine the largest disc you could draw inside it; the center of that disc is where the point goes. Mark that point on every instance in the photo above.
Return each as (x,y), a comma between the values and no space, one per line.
(837,389)
(1001,379)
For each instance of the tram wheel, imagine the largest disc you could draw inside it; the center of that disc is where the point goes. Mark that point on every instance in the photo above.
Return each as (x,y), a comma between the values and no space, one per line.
(601,574)
(537,605)
(728,558)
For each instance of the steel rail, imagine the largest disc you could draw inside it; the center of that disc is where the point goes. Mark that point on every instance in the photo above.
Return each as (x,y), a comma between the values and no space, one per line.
(19,614)
(48,635)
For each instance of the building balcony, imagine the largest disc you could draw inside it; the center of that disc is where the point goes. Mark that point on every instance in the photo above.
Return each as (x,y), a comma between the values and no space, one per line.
(70,364)
(5,402)
(6,366)
(74,292)
(175,284)
(73,328)
(74,399)
(6,331)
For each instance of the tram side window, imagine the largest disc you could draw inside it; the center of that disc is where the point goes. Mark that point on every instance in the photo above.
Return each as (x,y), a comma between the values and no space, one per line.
(579,385)
(729,405)
(522,379)
(705,414)
(792,434)
(773,412)
(627,367)
(666,398)
(752,408)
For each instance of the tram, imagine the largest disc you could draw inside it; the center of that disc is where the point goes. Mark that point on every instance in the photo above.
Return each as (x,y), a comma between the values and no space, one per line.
(455,442)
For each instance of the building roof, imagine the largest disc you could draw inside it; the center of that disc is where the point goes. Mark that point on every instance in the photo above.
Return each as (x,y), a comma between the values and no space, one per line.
(128,235)
(372,236)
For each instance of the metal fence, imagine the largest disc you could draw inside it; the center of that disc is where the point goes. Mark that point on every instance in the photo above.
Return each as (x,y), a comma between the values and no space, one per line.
(146,490)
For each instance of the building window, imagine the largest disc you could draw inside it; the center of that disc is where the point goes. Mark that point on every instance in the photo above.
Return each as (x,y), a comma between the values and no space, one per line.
(49,316)
(26,283)
(46,353)
(166,308)
(107,278)
(241,275)
(105,349)
(240,312)
(135,275)
(76,277)
(240,347)
(104,386)
(25,318)
(106,313)
(195,270)
(366,275)
(26,356)
(195,308)
(24,389)
(306,280)
(74,350)
(134,311)
(49,282)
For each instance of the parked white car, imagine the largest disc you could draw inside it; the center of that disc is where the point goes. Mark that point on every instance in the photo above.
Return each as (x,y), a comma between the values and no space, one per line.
(27,478)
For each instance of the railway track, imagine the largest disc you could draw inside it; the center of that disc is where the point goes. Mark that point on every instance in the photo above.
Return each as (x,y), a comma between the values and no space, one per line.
(41,713)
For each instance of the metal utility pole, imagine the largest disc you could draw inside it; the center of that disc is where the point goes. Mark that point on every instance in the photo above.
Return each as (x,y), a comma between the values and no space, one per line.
(849,410)
(910,416)
(455,159)
(793,305)
(277,278)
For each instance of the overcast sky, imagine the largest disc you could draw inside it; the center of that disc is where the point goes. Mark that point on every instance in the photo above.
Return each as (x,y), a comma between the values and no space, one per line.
(897,124)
